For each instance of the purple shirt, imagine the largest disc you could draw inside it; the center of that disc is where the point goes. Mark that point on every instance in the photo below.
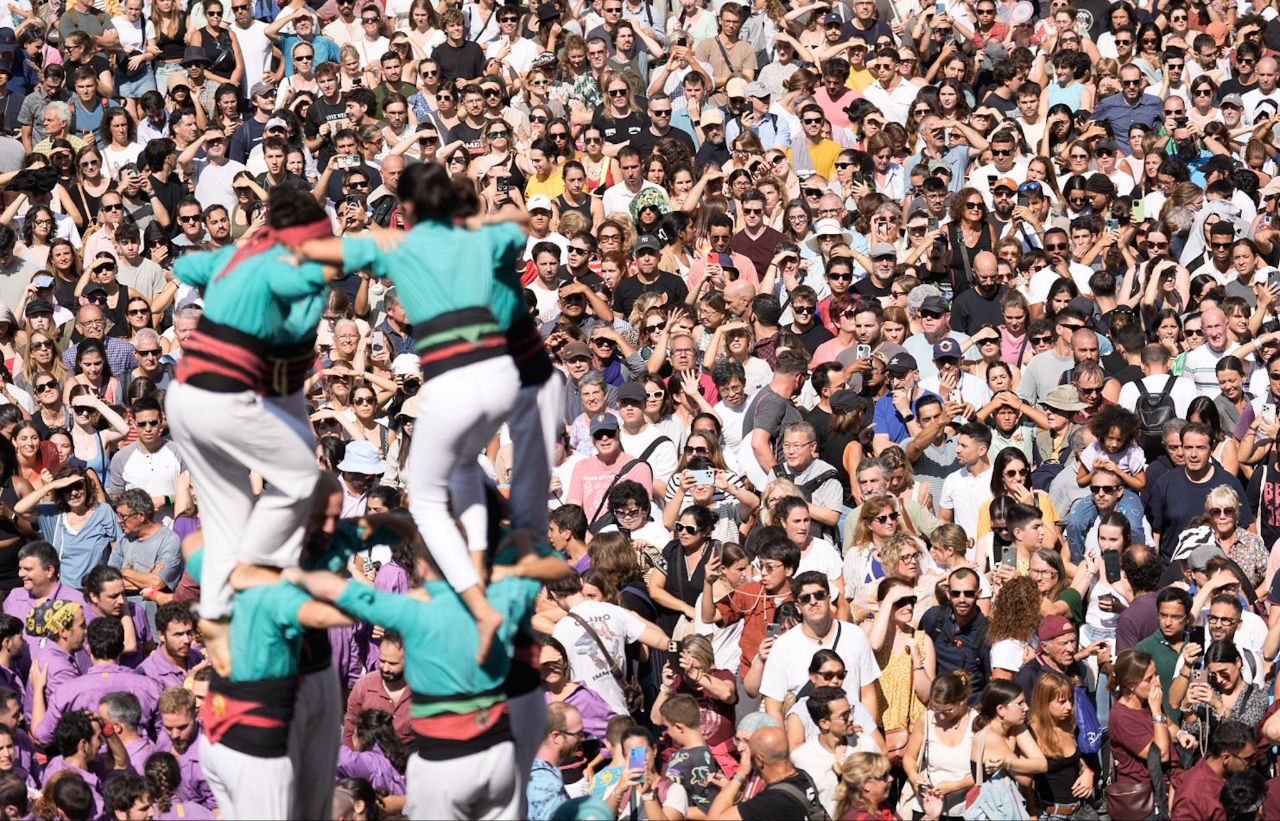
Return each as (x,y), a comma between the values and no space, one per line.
(141,627)
(12,679)
(346,655)
(63,668)
(160,667)
(94,780)
(373,765)
(596,712)
(84,693)
(139,751)
(19,603)
(195,787)
(184,811)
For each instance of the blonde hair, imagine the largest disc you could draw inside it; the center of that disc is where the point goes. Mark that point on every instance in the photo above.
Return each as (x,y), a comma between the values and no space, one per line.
(1221,496)
(872,507)
(855,771)
(951,537)
(892,550)
(788,487)
(700,648)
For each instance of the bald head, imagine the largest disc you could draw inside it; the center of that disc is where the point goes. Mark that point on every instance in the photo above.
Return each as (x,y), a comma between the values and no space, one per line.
(1214,324)
(1267,69)
(769,745)
(985,263)
(738,295)
(90,322)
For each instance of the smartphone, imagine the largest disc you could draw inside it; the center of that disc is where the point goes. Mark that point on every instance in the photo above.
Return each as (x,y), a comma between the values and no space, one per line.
(673,647)
(862,351)
(940,7)
(1111,558)
(378,345)
(346,161)
(772,630)
(933,223)
(991,181)
(1139,210)
(638,759)
(1268,414)
(1195,635)
(504,185)
(703,477)
(717,551)
(42,281)
(1023,202)
(1113,224)
(1009,556)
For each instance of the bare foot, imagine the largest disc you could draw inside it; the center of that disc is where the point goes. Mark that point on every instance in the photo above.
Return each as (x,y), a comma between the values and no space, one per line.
(217,645)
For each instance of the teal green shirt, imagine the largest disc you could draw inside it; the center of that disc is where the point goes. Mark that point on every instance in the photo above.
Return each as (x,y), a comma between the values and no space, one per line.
(441,640)
(266,296)
(440,268)
(266,635)
(1166,659)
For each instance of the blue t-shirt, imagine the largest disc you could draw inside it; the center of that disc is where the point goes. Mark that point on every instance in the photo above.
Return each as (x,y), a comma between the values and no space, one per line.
(84,549)
(889,422)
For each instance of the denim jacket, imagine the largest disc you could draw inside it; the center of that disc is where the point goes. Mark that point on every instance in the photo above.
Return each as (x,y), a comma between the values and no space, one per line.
(1084,513)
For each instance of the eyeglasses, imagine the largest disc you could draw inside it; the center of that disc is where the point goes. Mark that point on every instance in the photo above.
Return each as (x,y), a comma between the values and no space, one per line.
(368,21)
(885,518)
(974,206)
(815,596)
(628,512)
(1042,340)
(653,329)
(1227,620)
(1097,489)
(1222,511)
(1192,332)
(1131,83)
(1157,244)
(83,410)
(363,400)
(41,346)
(813,193)
(839,277)
(307,58)
(932,314)
(617,92)
(147,423)
(499,135)
(604,434)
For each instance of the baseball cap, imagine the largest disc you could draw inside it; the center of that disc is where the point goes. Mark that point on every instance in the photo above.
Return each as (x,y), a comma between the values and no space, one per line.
(538,202)
(946,348)
(1233,100)
(575,350)
(883,249)
(1203,554)
(847,401)
(940,167)
(630,392)
(647,242)
(736,87)
(262,89)
(8,42)
(1005,182)
(757,90)
(711,116)
(603,422)
(1106,145)
(901,363)
(406,364)
(936,304)
(1055,626)
(35,307)
(276,122)
(832,17)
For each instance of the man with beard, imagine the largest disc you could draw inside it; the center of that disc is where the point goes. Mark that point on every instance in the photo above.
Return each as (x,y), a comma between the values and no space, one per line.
(959,629)
(1002,197)
(174,657)
(382,689)
(1130,106)
(980,305)
(183,739)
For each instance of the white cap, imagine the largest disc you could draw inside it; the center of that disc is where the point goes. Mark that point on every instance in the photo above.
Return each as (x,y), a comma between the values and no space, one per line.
(539,201)
(406,364)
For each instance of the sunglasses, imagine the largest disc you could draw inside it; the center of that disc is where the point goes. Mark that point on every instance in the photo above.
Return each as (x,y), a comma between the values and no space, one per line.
(1222,511)
(691,530)
(148,352)
(149,423)
(885,518)
(45,386)
(1042,340)
(815,596)
(1097,489)
(963,594)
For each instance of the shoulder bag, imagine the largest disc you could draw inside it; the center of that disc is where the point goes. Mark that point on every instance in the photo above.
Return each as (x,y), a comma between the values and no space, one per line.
(630,686)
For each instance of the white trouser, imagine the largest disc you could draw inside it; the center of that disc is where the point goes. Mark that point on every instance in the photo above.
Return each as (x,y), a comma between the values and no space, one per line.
(315,734)
(247,786)
(529,727)
(459,411)
(535,424)
(480,786)
(222,437)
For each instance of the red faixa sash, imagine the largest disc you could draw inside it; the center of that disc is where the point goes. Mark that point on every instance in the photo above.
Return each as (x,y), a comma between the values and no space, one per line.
(269,237)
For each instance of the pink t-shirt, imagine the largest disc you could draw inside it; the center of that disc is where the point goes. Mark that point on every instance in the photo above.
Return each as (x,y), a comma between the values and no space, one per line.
(591,479)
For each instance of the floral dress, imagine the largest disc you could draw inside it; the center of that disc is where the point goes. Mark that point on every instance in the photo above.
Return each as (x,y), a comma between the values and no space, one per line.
(1250,552)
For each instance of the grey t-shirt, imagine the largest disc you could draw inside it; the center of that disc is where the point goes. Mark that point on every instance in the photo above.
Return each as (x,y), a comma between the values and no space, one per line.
(1042,375)
(770,412)
(143,555)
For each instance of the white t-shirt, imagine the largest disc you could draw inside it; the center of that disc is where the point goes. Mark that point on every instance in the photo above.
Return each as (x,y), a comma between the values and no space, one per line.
(1042,281)
(1201,366)
(662,460)
(822,557)
(963,493)
(1182,393)
(255,48)
(820,764)
(787,669)
(616,627)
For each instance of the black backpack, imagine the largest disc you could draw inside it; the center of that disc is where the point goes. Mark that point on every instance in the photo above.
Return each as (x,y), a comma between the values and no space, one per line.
(1154,411)
(814,811)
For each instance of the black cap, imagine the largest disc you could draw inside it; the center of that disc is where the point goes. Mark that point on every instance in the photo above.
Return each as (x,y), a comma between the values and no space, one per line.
(35,307)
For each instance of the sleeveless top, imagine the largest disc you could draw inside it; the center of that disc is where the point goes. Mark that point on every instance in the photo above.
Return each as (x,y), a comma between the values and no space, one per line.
(172,47)
(9,579)
(1054,785)
(584,209)
(897,697)
(943,763)
(1071,95)
(220,52)
(98,463)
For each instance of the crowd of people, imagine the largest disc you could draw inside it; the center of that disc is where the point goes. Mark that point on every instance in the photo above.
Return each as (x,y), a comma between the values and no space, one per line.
(641,410)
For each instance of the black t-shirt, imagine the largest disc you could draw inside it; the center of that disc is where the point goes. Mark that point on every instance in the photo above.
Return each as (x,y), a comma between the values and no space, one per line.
(1234,86)
(465,61)
(868,288)
(812,338)
(773,803)
(630,289)
(646,140)
(622,129)
(972,310)
(471,137)
(1005,107)
(324,112)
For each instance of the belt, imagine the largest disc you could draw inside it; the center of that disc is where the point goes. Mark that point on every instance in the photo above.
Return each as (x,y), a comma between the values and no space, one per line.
(1060,809)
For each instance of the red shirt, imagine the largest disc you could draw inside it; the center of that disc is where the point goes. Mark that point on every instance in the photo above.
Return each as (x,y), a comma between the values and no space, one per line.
(749,603)
(370,694)
(1196,792)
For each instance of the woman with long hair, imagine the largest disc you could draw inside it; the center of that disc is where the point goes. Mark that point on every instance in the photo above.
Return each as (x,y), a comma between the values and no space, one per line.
(1138,718)
(1225,447)
(879,520)
(1011,476)
(564,685)
(970,233)
(1067,779)
(42,376)
(93,372)
(375,753)
(15,530)
(676,584)
(118,136)
(76,520)
(93,446)
(164,783)
(905,656)
(37,235)
(64,265)
(1002,747)
(936,759)
(726,496)
(693,671)
(619,111)
(226,62)
(1223,695)
(1015,615)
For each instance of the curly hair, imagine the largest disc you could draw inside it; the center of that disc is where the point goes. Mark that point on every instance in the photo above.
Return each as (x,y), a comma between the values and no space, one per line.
(1114,416)
(1015,611)
(892,551)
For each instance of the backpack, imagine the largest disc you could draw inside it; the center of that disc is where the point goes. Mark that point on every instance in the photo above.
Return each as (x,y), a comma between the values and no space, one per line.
(1154,411)
(814,811)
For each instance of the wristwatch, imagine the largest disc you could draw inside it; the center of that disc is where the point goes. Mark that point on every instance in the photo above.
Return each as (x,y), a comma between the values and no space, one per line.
(909,418)
(1162,719)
